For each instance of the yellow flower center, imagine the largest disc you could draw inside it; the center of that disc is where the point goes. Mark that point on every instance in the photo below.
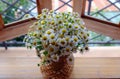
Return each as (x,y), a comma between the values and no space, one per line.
(82,27)
(51,49)
(55,57)
(52,36)
(34,34)
(42,22)
(88,34)
(61,35)
(53,43)
(62,42)
(70,59)
(57,16)
(44,38)
(39,16)
(81,32)
(76,27)
(60,22)
(84,37)
(52,22)
(67,49)
(48,32)
(45,46)
(71,44)
(63,30)
(44,16)
(34,43)
(40,28)
(75,39)
(36,23)
(67,38)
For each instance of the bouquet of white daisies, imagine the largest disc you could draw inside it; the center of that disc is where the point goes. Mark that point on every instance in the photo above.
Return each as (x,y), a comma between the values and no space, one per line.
(57,34)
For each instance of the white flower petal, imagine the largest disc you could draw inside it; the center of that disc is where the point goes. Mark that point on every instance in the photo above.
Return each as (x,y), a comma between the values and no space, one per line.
(70,59)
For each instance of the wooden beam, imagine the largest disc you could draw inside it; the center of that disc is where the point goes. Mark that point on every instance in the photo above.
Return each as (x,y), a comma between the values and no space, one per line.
(1,23)
(102,28)
(15,29)
(41,4)
(78,6)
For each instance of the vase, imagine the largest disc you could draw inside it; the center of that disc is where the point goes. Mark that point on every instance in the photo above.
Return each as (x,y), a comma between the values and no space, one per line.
(57,70)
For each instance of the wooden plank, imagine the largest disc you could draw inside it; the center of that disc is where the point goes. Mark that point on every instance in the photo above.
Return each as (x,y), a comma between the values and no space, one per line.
(41,4)
(20,63)
(26,68)
(102,28)
(1,23)
(86,67)
(78,6)
(15,29)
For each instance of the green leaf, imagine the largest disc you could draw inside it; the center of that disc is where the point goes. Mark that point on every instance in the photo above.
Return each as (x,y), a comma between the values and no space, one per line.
(39,47)
(45,53)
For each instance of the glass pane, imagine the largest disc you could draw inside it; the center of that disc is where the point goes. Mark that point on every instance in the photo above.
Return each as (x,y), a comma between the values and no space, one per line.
(108,10)
(15,10)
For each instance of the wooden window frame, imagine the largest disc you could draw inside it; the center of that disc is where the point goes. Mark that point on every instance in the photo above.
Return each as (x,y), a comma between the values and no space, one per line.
(12,30)
(18,28)
(94,24)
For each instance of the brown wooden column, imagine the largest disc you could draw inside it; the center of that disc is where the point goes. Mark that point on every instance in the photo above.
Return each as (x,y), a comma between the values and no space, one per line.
(78,6)
(1,23)
(41,4)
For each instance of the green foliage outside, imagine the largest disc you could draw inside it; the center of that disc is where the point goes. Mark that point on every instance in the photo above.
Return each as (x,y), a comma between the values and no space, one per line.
(23,4)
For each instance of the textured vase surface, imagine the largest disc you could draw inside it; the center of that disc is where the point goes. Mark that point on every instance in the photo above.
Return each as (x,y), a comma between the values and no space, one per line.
(57,70)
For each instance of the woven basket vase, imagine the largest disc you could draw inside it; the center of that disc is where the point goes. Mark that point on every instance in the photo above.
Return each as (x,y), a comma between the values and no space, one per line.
(57,70)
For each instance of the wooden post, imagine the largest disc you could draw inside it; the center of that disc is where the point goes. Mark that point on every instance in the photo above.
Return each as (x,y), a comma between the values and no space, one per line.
(78,6)
(1,23)
(41,4)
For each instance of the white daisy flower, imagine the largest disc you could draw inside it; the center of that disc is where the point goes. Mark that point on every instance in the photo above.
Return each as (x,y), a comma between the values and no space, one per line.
(67,50)
(45,45)
(75,39)
(63,30)
(52,36)
(52,49)
(55,57)
(62,42)
(40,27)
(70,26)
(76,27)
(62,52)
(48,57)
(71,44)
(45,10)
(70,59)
(45,38)
(67,38)
(76,14)
(61,35)
(50,31)
(48,62)
(53,42)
